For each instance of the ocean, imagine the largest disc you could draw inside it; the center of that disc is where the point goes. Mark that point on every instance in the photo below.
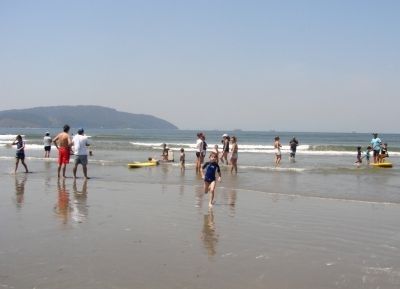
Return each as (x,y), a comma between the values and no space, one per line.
(318,223)
(324,164)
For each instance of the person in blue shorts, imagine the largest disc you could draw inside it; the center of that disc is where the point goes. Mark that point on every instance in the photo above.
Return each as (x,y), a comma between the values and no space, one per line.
(20,154)
(211,167)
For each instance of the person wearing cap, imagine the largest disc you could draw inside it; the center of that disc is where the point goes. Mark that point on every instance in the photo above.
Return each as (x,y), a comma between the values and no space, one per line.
(376,146)
(80,143)
(47,144)
(63,144)
(225,147)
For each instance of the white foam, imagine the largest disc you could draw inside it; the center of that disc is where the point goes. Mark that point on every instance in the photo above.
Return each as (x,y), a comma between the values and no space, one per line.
(35,147)
(255,149)
(271,168)
(10,137)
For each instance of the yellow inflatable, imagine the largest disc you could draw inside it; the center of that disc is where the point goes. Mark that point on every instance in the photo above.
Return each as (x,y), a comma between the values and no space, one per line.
(382,165)
(143,164)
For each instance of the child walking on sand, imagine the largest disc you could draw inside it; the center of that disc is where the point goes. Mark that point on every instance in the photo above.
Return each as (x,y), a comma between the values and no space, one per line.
(211,167)
(20,154)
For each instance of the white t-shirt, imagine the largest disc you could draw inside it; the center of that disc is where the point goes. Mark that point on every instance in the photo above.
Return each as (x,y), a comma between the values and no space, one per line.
(199,145)
(80,143)
(47,141)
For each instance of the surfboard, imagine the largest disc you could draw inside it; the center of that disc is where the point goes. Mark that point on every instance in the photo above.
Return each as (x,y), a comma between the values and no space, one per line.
(382,165)
(142,164)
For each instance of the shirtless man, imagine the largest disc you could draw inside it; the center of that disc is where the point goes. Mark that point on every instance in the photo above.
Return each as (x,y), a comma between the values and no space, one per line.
(63,144)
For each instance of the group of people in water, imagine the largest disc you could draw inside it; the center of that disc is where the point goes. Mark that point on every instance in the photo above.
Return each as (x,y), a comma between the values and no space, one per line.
(228,155)
(66,146)
(209,169)
(77,145)
(293,143)
(379,151)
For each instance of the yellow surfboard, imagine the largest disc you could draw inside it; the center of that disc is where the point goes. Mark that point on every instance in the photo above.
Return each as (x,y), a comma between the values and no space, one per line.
(142,164)
(382,165)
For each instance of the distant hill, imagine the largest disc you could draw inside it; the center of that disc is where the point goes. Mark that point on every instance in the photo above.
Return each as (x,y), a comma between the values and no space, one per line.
(88,116)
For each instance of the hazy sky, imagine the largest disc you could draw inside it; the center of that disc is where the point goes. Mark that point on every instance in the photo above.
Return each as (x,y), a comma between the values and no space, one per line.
(253,65)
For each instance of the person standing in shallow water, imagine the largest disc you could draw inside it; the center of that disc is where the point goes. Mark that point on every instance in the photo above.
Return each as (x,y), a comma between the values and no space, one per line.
(225,148)
(182,159)
(63,144)
(80,144)
(293,147)
(277,150)
(47,145)
(234,154)
(376,146)
(199,151)
(20,154)
(204,152)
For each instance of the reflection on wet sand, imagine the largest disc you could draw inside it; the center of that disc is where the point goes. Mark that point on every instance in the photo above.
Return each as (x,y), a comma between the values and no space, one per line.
(209,237)
(232,196)
(47,169)
(199,194)
(20,190)
(62,208)
(79,204)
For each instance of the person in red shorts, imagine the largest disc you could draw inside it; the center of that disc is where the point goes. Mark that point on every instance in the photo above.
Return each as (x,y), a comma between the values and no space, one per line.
(63,144)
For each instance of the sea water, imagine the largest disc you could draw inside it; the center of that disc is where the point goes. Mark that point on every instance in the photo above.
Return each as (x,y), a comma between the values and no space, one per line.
(320,222)
(324,167)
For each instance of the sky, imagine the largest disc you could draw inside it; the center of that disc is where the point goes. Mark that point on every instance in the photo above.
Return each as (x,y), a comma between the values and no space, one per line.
(327,66)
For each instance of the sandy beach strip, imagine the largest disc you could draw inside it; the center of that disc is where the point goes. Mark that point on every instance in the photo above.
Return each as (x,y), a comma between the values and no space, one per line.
(106,234)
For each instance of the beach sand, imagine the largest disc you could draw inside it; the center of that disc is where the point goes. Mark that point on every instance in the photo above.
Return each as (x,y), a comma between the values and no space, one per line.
(131,234)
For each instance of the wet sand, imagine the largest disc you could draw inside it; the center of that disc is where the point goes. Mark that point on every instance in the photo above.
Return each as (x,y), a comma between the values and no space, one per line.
(126,234)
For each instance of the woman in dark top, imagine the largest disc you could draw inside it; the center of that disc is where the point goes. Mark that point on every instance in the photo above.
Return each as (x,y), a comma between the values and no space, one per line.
(20,154)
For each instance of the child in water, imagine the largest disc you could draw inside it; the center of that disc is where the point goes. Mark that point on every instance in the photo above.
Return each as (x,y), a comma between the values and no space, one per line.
(359,159)
(367,154)
(150,159)
(211,167)
(165,152)
(216,151)
(182,159)
(384,153)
